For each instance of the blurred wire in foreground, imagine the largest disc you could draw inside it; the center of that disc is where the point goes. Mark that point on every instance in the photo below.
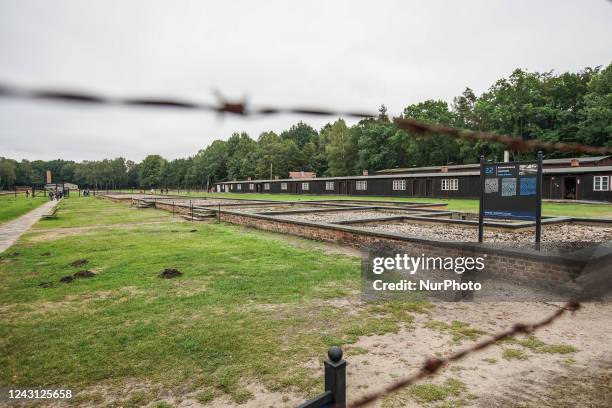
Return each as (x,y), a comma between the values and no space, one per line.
(241,108)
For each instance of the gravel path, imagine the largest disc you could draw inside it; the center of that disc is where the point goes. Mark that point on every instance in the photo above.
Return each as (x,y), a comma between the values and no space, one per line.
(554,237)
(12,230)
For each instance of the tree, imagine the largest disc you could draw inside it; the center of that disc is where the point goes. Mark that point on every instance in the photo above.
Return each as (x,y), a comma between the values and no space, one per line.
(24,173)
(431,150)
(340,150)
(300,134)
(7,173)
(596,125)
(241,156)
(374,141)
(276,154)
(151,171)
(133,173)
(209,164)
(175,172)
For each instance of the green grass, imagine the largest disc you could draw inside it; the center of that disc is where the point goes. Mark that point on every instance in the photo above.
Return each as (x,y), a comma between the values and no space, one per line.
(428,393)
(490,360)
(12,207)
(457,329)
(536,345)
(91,212)
(464,205)
(514,354)
(249,308)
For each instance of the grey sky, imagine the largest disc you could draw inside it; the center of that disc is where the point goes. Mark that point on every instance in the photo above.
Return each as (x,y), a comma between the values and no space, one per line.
(338,54)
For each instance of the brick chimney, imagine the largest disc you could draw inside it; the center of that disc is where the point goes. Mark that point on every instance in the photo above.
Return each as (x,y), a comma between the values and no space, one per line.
(365,173)
(575,163)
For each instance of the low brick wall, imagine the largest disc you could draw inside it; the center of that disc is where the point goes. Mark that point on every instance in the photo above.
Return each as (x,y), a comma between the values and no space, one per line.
(176,209)
(517,266)
(538,269)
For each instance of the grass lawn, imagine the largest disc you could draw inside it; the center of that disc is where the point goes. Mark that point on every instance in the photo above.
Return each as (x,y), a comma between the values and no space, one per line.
(467,205)
(12,207)
(249,308)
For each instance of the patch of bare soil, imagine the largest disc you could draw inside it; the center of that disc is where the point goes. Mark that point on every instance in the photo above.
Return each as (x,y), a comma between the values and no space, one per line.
(577,386)
(77,275)
(143,393)
(170,273)
(68,304)
(84,274)
(78,262)
(487,375)
(580,378)
(261,397)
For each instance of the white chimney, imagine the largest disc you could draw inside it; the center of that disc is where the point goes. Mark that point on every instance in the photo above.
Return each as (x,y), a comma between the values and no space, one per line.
(506,156)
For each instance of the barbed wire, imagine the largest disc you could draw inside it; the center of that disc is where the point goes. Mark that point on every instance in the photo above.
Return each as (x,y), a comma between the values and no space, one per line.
(241,108)
(432,365)
(222,106)
(513,143)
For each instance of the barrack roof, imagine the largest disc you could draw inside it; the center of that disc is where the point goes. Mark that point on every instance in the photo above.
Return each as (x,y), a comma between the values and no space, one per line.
(567,160)
(418,175)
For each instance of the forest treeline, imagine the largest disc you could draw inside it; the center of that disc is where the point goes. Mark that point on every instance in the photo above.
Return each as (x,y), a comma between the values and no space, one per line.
(568,107)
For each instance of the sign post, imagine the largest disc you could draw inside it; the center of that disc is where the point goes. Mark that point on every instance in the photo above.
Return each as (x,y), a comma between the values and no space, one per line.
(511,191)
(538,215)
(481,204)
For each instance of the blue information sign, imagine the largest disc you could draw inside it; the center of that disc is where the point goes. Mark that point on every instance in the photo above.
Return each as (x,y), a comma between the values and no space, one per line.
(510,190)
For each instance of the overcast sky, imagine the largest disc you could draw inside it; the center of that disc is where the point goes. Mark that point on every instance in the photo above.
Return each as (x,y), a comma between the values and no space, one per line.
(336,54)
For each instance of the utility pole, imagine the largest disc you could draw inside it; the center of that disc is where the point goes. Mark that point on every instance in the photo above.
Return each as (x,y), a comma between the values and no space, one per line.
(270,170)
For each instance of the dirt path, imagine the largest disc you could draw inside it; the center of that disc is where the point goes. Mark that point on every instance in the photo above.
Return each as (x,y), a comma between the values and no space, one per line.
(12,230)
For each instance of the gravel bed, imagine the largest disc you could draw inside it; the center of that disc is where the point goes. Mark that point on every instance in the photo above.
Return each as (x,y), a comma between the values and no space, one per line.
(270,209)
(331,217)
(555,238)
(212,201)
